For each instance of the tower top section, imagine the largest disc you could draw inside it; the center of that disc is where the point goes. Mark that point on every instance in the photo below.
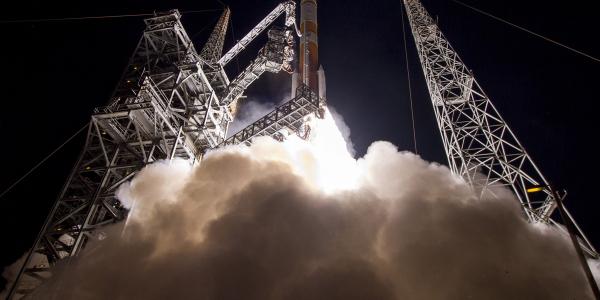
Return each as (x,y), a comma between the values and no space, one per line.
(213,49)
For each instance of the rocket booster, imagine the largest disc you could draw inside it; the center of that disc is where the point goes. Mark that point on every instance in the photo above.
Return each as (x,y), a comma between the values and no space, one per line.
(308,61)
(309,72)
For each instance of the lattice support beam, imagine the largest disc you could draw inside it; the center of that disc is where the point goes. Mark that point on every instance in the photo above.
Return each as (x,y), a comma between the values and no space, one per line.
(479,144)
(167,105)
(213,49)
(275,56)
(164,107)
(288,118)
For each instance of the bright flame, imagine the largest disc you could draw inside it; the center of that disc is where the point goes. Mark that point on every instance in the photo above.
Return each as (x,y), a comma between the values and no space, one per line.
(337,169)
(323,160)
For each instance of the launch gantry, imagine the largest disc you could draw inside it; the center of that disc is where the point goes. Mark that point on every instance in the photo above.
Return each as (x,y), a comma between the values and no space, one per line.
(171,102)
(479,144)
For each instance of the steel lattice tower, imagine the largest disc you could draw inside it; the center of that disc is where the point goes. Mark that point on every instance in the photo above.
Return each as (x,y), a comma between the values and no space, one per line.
(158,111)
(213,49)
(479,144)
(171,102)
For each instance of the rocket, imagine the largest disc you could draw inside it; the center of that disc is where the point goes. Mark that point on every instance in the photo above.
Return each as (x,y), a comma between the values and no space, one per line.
(309,71)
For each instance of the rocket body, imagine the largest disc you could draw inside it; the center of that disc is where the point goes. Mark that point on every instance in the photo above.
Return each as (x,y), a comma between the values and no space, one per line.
(309,71)
(308,61)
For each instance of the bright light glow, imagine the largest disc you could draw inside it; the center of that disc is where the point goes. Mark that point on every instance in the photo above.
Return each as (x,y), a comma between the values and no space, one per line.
(333,168)
(535,189)
(323,161)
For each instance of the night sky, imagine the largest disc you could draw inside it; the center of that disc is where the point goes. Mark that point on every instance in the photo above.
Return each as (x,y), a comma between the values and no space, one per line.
(55,73)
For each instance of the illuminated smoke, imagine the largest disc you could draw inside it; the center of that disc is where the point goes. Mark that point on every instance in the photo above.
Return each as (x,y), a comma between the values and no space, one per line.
(251,109)
(10,274)
(248,112)
(304,220)
(595,266)
(343,128)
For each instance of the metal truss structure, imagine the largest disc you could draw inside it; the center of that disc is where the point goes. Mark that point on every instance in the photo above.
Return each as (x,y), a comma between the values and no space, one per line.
(171,102)
(287,7)
(284,120)
(277,55)
(214,46)
(479,144)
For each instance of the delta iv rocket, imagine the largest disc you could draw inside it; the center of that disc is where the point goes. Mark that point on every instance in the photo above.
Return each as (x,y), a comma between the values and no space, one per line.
(309,71)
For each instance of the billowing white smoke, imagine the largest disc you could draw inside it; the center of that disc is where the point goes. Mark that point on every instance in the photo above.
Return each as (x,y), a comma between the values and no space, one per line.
(343,128)
(248,112)
(595,267)
(304,220)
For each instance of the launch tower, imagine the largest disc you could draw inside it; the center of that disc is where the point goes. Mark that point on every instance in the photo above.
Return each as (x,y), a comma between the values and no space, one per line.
(171,102)
(479,144)
(175,102)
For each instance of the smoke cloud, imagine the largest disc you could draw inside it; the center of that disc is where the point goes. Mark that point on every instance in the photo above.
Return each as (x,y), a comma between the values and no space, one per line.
(343,128)
(304,220)
(595,267)
(10,274)
(251,109)
(248,112)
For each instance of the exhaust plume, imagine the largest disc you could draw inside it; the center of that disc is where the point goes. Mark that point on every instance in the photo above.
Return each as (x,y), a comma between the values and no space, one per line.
(305,220)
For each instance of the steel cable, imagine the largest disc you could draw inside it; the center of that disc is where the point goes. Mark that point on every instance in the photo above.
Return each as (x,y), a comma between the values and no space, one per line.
(412,112)
(98,17)
(528,31)
(43,160)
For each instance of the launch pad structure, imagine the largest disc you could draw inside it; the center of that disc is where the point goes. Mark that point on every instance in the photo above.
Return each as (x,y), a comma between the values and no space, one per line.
(479,144)
(171,102)
(174,102)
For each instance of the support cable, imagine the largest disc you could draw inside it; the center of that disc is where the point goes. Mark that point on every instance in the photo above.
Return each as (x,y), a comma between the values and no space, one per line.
(237,61)
(197,33)
(98,17)
(221,2)
(412,112)
(85,126)
(528,31)
(43,160)
(201,11)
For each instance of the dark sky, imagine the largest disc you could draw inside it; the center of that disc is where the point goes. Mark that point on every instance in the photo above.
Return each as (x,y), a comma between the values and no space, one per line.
(55,73)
